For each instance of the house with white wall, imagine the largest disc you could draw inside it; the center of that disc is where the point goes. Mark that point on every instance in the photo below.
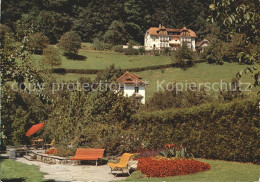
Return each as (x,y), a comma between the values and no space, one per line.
(158,38)
(132,85)
(202,45)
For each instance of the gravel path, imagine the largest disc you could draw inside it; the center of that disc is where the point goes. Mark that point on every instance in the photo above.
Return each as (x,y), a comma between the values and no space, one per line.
(79,173)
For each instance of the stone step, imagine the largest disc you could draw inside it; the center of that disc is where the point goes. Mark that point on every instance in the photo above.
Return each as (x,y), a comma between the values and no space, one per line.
(28,157)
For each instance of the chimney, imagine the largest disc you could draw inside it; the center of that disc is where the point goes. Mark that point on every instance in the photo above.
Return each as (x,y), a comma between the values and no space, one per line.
(160,25)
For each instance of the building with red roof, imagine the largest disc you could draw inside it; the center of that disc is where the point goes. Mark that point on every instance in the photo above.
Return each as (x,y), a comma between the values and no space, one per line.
(132,85)
(158,38)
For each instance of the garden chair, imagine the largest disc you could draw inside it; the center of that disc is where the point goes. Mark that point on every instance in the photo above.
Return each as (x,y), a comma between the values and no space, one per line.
(122,164)
(50,144)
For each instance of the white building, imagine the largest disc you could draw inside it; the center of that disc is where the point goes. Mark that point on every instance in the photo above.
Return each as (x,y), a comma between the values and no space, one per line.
(158,38)
(132,85)
(202,45)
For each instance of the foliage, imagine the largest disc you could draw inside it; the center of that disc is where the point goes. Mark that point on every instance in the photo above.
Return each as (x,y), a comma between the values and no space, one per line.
(206,129)
(116,33)
(131,51)
(51,56)
(237,16)
(141,50)
(64,152)
(70,43)
(184,57)
(174,98)
(92,19)
(118,48)
(175,152)
(213,53)
(37,42)
(98,44)
(20,110)
(152,167)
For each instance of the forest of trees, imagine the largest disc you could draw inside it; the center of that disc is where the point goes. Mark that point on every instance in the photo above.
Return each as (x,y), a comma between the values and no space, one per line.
(92,19)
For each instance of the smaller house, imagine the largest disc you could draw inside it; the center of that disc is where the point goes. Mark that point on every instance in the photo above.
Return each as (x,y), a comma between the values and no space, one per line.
(202,44)
(132,85)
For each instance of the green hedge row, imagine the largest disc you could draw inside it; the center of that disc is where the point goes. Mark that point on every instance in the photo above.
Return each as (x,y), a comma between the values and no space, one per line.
(95,71)
(215,131)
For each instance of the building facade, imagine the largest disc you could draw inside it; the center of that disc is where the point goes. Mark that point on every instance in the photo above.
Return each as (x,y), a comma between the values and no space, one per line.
(132,85)
(158,38)
(202,45)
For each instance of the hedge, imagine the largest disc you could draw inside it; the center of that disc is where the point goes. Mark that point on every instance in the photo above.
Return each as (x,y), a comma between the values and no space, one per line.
(95,71)
(214,131)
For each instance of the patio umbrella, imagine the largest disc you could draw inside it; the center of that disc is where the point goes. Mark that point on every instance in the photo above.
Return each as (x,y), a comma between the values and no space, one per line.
(34,129)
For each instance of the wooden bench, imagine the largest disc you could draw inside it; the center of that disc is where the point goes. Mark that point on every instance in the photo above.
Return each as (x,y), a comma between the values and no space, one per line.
(88,154)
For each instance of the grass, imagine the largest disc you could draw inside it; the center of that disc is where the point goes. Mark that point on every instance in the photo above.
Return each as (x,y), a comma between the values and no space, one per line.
(201,73)
(221,171)
(12,170)
(90,59)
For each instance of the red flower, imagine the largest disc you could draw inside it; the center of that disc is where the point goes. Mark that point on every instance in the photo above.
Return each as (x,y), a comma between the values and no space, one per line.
(162,168)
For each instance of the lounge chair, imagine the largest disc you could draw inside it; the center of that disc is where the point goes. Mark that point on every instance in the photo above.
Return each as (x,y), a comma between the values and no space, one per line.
(122,164)
(50,144)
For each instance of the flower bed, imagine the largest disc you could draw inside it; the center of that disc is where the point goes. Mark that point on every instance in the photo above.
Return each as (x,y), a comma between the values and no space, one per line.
(159,167)
(51,151)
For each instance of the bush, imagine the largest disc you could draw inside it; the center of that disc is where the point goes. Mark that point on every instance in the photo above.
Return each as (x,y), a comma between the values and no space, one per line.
(118,48)
(70,43)
(131,51)
(153,167)
(98,44)
(65,152)
(183,57)
(108,46)
(37,42)
(141,50)
(207,130)
(156,53)
(51,56)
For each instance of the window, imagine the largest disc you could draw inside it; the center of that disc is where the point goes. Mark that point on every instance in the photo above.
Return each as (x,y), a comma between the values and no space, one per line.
(136,89)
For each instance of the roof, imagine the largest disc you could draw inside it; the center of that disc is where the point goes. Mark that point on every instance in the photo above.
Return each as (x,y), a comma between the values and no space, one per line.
(130,78)
(201,42)
(156,31)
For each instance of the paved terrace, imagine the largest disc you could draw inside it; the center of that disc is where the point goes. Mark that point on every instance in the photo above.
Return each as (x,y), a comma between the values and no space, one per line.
(79,173)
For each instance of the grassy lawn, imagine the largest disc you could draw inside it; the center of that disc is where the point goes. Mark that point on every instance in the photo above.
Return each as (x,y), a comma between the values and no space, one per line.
(201,73)
(90,59)
(221,171)
(16,171)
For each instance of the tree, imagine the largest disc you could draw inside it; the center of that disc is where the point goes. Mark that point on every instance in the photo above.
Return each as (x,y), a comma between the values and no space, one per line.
(116,33)
(183,57)
(70,43)
(51,56)
(37,42)
(214,52)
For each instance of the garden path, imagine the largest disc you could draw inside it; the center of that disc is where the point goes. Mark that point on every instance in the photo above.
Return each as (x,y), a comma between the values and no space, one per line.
(75,173)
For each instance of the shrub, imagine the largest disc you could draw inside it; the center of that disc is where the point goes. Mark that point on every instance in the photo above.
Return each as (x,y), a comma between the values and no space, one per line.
(108,46)
(156,53)
(207,129)
(70,43)
(51,56)
(153,167)
(183,57)
(131,51)
(141,50)
(65,152)
(37,42)
(98,44)
(118,48)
